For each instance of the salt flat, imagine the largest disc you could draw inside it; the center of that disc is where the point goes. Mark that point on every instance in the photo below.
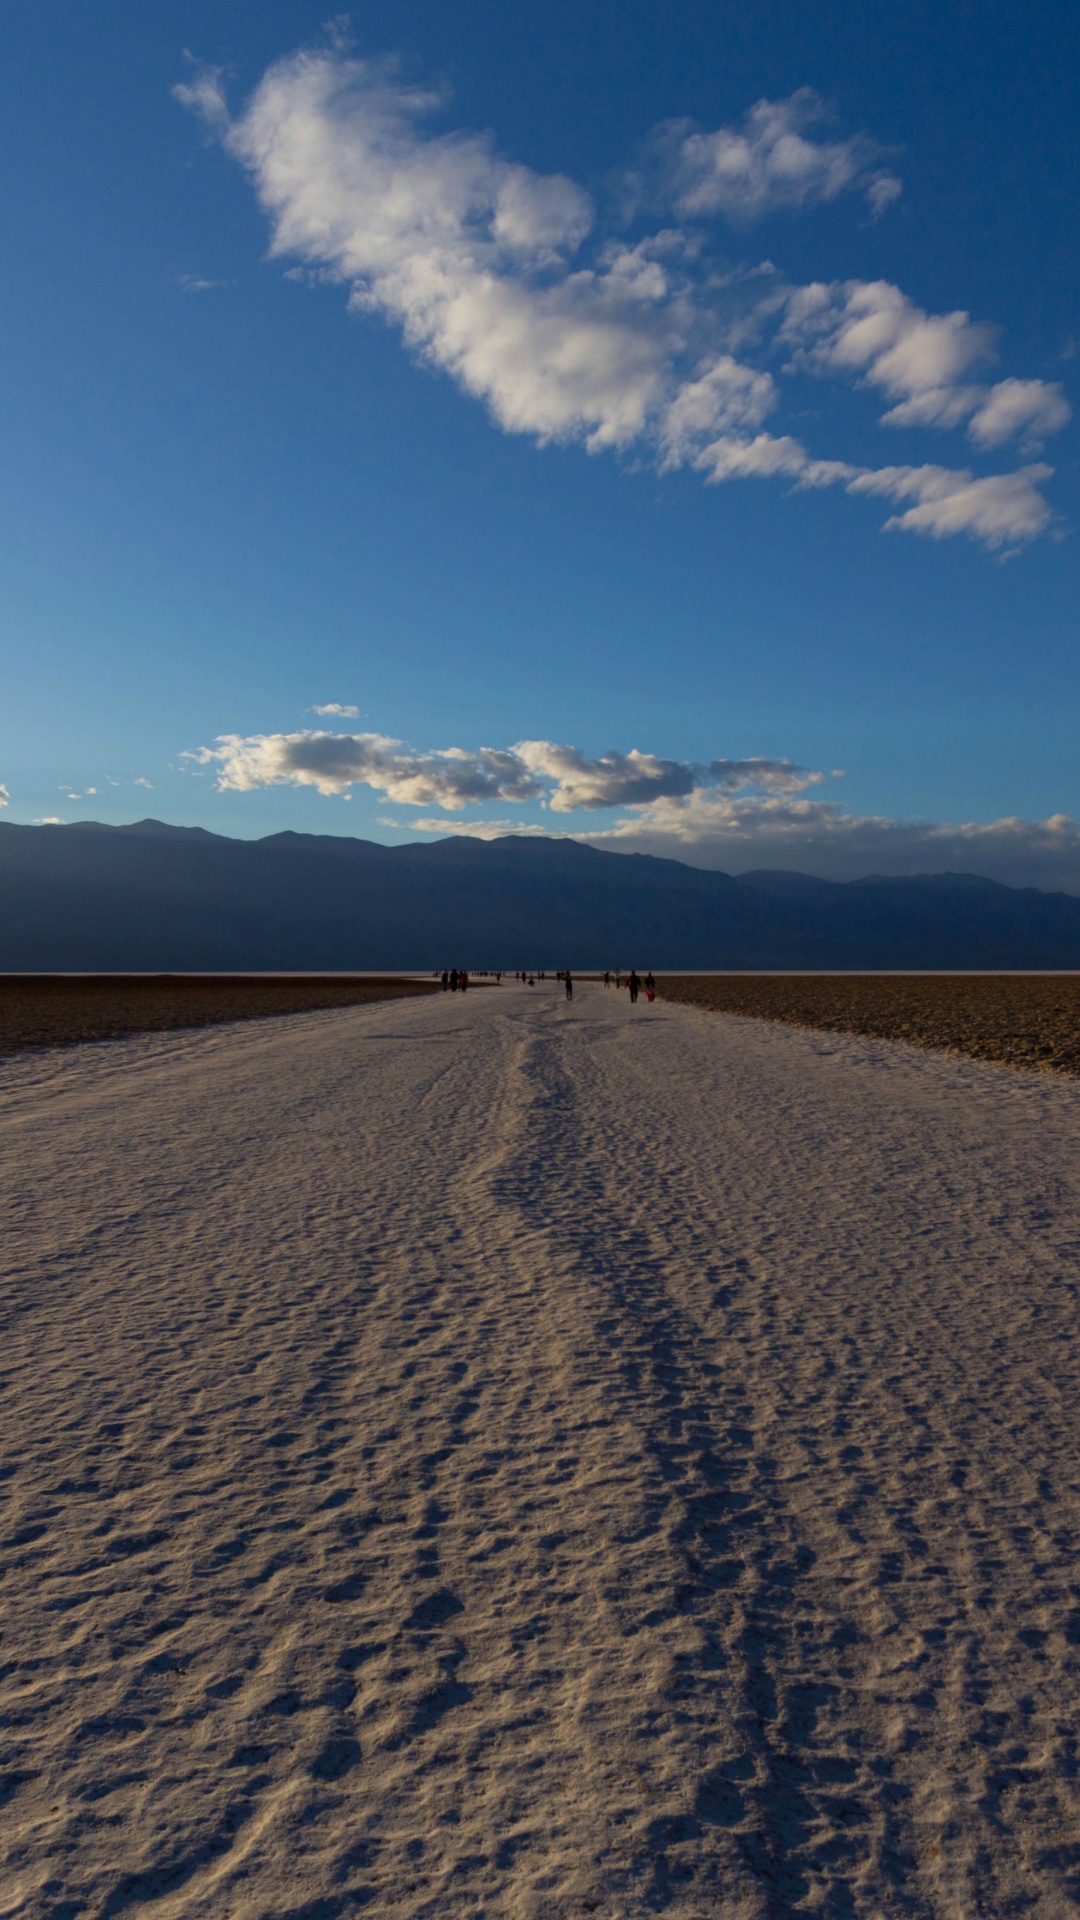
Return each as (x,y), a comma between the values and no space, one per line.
(489,1457)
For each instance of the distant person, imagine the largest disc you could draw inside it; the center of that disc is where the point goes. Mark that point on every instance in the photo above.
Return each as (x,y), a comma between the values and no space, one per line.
(445,979)
(453,979)
(634,985)
(650,988)
(618,977)
(463,981)
(607,978)
(569,980)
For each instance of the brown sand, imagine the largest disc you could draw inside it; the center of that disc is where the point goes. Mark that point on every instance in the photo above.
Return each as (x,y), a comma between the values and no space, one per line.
(48,1010)
(1022,1019)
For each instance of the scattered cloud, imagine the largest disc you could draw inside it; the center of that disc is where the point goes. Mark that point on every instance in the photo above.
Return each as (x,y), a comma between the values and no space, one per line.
(335,762)
(204,94)
(505,280)
(334,707)
(733,814)
(820,837)
(92,793)
(192,283)
(871,330)
(142,782)
(5,797)
(630,779)
(770,163)
(558,777)
(738,835)
(48,820)
(1025,409)
(1002,510)
(476,829)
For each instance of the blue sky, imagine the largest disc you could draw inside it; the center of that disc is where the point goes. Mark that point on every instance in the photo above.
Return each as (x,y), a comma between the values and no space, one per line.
(636,415)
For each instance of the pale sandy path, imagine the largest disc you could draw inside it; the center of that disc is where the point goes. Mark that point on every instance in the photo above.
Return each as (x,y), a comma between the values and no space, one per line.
(490,1458)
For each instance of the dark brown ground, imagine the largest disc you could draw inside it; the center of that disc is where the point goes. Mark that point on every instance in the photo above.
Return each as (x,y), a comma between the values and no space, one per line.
(48,1010)
(1026,1020)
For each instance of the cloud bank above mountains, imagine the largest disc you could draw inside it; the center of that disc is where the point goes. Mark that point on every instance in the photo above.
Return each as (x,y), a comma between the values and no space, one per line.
(570,329)
(732,814)
(558,777)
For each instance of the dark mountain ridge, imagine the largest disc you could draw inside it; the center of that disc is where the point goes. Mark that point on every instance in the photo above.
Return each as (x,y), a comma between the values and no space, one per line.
(150,896)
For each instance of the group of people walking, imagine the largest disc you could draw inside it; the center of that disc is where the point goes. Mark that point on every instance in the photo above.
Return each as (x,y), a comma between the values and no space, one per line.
(634,983)
(456,980)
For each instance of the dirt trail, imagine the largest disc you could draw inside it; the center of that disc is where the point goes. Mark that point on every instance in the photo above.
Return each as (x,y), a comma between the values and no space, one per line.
(482,1456)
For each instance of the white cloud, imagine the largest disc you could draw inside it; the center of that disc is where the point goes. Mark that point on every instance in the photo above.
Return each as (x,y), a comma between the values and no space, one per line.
(559,777)
(5,797)
(476,829)
(48,820)
(817,836)
(191,283)
(204,94)
(498,276)
(634,778)
(871,330)
(770,164)
(1002,510)
(335,707)
(335,762)
(142,782)
(731,814)
(1028,408)
(725,397)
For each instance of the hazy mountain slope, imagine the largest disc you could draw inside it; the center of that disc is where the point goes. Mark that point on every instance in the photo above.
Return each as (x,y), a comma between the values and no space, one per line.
(151,896)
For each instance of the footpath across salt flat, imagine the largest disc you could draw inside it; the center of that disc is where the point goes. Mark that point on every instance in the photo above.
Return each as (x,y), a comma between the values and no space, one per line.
(481,1457)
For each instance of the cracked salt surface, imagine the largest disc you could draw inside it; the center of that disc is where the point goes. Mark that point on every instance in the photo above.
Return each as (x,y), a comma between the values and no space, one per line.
(486,1457)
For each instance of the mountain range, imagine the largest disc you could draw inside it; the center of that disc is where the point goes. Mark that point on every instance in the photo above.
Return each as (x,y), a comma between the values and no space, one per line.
(153,897)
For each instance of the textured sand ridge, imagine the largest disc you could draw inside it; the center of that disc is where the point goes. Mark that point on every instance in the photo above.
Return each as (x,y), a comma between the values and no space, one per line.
(489,1457)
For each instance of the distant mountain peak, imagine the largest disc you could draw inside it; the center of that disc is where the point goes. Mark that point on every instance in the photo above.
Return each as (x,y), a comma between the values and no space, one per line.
(145,826)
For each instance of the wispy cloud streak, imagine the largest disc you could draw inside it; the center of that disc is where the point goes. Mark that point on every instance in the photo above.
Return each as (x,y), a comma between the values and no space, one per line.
(503,278)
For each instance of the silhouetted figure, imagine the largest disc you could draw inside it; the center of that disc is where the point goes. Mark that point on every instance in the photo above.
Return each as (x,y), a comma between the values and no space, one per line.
(634,985)
(445,979)
(568,978)
(453,979)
